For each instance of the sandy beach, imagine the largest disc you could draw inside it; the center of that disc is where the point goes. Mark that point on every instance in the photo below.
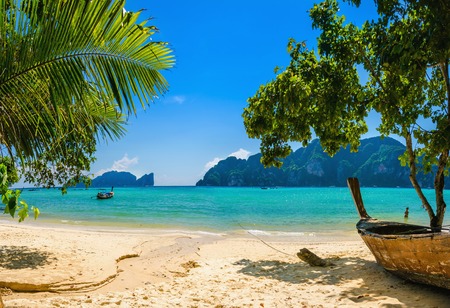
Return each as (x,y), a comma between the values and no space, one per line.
(82,267)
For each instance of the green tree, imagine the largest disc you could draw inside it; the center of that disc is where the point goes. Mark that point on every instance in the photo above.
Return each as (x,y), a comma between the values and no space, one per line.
(71,71)
(405,53)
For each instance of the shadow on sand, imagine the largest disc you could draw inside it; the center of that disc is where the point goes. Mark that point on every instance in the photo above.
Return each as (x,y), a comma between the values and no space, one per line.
(22,257)
(374,283)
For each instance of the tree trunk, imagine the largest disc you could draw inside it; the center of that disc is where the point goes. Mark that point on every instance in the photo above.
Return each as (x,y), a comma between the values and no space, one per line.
(443,158)
(413,179)
(439,191)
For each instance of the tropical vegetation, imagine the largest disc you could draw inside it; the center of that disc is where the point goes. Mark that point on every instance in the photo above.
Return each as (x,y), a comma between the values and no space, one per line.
(70,75)
(324,92)
(375,165)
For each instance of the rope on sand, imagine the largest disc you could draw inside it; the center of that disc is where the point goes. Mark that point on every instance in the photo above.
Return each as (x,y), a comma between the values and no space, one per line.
(265,243)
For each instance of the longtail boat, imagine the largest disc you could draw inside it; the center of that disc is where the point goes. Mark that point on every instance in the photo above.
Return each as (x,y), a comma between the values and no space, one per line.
(106,195)
(413,252)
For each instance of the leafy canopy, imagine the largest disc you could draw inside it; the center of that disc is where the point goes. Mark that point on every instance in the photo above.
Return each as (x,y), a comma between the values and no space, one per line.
(405,54)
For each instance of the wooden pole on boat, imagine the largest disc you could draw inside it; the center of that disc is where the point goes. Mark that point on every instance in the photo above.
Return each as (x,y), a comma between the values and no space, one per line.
(353,185)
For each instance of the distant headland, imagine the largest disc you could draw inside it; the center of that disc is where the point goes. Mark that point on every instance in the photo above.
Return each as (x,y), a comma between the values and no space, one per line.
(121,179)
(375,164)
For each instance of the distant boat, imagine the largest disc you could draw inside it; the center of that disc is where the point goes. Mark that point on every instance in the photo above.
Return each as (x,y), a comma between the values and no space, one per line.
(412,252)
(106,195)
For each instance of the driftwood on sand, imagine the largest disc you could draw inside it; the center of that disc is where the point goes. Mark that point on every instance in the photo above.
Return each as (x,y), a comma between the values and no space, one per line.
(312,259)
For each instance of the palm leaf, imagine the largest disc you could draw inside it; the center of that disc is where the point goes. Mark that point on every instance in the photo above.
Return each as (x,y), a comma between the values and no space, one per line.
(73,59)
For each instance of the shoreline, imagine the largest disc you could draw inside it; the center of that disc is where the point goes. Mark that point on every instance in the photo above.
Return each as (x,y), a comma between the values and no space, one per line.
(274,234)
(166,268)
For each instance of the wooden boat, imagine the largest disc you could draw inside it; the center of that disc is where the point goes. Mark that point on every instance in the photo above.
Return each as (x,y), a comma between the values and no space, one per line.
(413,252)
(106,195)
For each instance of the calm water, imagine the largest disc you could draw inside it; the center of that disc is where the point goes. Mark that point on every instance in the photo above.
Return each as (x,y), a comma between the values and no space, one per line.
(283,210)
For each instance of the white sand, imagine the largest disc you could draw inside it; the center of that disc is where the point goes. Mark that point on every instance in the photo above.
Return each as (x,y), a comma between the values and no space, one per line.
(130,268)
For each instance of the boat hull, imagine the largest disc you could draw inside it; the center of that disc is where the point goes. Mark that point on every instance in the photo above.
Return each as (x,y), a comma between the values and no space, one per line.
(412,252)
(107,195)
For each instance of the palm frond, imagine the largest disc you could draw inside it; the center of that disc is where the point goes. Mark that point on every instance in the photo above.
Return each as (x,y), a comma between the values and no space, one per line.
(57,53)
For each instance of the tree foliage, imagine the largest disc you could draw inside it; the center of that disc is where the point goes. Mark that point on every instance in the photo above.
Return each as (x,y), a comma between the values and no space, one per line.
(10,198)
(71,71)
(405,54)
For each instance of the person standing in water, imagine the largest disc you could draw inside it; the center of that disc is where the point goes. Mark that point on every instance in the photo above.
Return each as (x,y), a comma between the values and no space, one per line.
(407,213)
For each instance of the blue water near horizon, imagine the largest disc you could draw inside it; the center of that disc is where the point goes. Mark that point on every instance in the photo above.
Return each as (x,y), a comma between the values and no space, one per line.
(225,209)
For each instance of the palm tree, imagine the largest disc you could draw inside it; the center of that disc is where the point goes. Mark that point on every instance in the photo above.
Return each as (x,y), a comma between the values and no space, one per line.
(70,73)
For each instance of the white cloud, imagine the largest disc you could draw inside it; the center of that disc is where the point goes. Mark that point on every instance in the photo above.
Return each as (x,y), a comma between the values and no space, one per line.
(212,163)
(123,164)
(242,154)
(176,99)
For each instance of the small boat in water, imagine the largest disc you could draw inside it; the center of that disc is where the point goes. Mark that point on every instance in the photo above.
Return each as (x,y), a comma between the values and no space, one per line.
(413,252)
(106,195)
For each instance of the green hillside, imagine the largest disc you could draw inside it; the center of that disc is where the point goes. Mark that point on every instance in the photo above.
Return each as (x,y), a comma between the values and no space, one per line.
(375,164)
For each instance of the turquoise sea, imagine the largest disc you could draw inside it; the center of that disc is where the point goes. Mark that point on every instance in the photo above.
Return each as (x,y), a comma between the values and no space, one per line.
(224,209)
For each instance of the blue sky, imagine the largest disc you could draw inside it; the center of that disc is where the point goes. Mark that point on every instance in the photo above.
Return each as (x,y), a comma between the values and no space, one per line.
(224,51)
